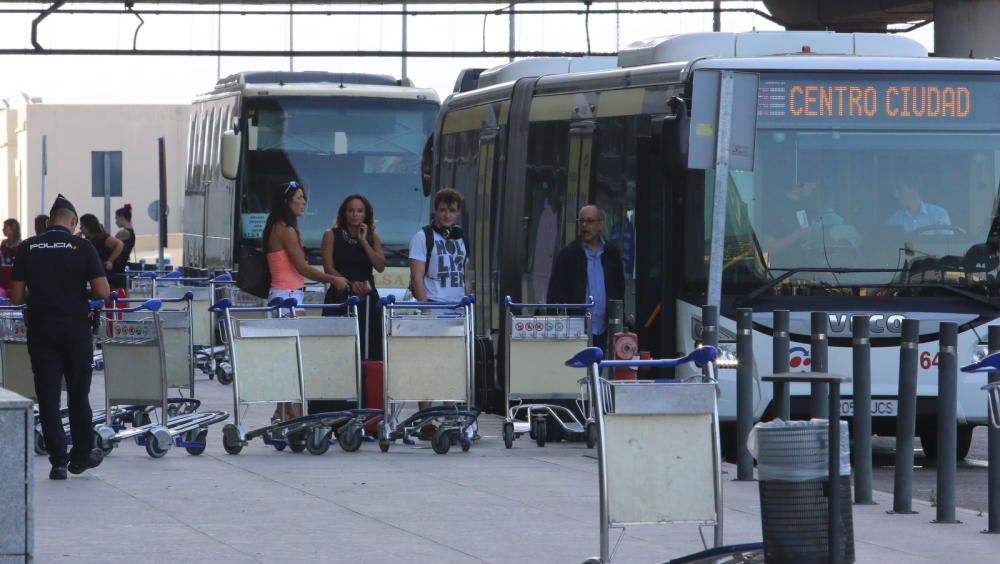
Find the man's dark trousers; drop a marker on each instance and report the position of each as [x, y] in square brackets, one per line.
[63, 347]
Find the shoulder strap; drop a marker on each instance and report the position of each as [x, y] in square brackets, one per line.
[429, 238]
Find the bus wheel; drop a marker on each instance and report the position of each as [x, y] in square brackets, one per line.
[929, 442]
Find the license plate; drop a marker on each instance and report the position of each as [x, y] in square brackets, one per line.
[880, 407]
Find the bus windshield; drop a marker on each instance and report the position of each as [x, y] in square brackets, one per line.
[337, 146]
[867, 181]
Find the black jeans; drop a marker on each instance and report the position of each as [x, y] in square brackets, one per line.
[63, 348]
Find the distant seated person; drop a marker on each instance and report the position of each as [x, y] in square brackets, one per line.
[916, 215]
[787, 218]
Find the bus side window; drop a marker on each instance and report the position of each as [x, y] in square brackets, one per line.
[545, 195]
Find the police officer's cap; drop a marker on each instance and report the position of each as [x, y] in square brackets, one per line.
[61, 203]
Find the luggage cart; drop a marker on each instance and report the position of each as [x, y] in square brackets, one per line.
[667, 425]
[534, 369]
[267, 357]
[16, 375]
[990, 363]
[143, 357]
[141, 283]
[417, 347]
[174, 285]
[225, 287]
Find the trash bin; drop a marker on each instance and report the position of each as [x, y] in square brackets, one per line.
[792, 471]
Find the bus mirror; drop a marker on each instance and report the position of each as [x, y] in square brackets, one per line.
[230, 154]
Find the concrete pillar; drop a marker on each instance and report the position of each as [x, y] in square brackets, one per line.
[964, 26]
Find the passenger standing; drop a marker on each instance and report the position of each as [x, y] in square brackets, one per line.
[353, 249]
[286, 259]
[41, 223]
[55, 268]
[589, 266]
[8, 250]
[123, 219]
[439, 262]
[108, 248]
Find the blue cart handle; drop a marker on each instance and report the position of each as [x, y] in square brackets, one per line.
[389, 302]
[351, 301]
[94, 304]
[225, 303]
[989, 364]
[513, 305]
[148, 305]
[593, 355]
[187, 297]
[224, 277]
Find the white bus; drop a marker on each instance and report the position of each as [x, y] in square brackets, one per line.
[337, 133]
[863, 179]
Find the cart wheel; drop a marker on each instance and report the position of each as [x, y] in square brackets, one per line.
[107, 448]
[154, 448]
[531, 428]
[230, 439]
[508, 434]
[40, 444]
[594, 560]
[201, 435]
[383, 437]
[540, 431]
[296, 443]
[351, 437]
[591, 435]
[464, 442]
[442, 441]
[224, 373]
[279, 446]
[318, 441]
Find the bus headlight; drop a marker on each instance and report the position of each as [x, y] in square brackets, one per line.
[727, 359]
[980, 351]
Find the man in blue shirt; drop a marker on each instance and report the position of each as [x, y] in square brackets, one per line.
[589, 266]
[915, 214]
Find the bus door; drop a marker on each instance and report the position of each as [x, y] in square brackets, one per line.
[484, 267]
[581, 144]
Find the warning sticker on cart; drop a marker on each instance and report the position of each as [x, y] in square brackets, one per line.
[553, 328]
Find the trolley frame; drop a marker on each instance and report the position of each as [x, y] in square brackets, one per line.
[454, 421]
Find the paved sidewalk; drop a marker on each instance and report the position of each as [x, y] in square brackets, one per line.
[527, 504]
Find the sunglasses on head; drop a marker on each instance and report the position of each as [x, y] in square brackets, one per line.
[290, 187]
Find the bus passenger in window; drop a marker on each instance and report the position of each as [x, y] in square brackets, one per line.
[589, 266]
[915, 214]
[787, 219]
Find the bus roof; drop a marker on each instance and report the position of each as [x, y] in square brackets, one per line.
[319, 83]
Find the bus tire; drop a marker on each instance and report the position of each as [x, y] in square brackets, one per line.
[929, 442]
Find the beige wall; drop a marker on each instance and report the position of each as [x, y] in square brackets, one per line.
[8, 160]
[74, 131]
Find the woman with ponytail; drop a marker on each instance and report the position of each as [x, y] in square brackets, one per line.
[123, 219]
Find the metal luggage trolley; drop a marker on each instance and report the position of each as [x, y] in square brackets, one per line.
[535, 347]
[417, 347]
[990, 363]
[16, 375]
[246, 306]
[174, 285]
[667, 425]
[267, 356]
[146, 352]
[141, 283]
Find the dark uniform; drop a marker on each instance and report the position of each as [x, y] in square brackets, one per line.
[56, 267]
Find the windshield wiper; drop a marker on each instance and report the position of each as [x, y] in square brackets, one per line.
[788, 272]
[971, 296]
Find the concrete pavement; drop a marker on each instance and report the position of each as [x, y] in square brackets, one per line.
[527, 504]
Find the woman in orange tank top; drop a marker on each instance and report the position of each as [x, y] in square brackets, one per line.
[286, 259]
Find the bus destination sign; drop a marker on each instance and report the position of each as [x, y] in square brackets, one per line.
[866, 101]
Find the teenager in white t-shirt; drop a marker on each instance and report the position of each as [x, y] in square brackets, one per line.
[441, 277]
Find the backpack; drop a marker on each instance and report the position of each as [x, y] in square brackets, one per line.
[254, 275]
[429, 238]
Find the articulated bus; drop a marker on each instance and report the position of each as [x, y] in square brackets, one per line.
[862, 179]
[337, 133]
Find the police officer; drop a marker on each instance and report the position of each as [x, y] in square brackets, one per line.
[56, 267]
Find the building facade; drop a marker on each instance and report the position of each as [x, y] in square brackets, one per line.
[100, 157]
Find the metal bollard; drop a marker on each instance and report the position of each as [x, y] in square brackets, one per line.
[780, 345]
[615, 324]
[993, 456]
[710, 326]
[862, 365]
[906, 419]
[947, 423]
[744, 392]
[818, 349]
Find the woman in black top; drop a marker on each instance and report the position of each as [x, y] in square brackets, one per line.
[123, 219]
[108, 248]
[353, 250]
